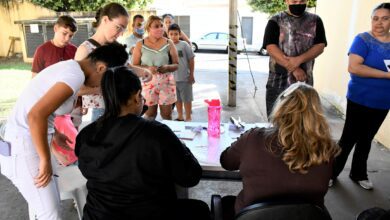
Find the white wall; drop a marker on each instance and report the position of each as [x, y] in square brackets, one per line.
[212, 15]
[343, 20]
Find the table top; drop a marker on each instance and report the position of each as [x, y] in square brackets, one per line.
[205, 148]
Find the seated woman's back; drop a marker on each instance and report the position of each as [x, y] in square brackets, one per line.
[291, 160]
[131, 164]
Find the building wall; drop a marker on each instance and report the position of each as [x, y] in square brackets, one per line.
[343, 20]
[212, 16]
[18, 11]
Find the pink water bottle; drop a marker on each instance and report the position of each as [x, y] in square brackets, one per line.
[214, 117]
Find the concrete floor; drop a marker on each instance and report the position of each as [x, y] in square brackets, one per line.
[344, 201]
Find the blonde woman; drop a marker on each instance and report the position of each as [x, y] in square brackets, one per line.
[292, 159]
[154, 53]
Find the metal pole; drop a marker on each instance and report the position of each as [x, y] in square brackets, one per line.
[232, 53]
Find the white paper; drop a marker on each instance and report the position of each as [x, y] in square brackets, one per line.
[34, 28]
[387, 63]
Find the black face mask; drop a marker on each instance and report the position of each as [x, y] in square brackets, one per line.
[297, 10]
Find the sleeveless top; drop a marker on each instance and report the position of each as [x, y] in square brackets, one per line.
[152, 57]
[296, 37]
[92, 101]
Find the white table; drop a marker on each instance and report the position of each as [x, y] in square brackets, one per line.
[208, 149]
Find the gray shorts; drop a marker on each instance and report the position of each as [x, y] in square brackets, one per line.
[184, 92]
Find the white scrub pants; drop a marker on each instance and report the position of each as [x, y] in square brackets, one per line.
[21, 168]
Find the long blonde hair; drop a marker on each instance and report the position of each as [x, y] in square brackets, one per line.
[300, 128]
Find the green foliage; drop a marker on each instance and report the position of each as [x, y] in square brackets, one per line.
[273, 6]
[87, 5]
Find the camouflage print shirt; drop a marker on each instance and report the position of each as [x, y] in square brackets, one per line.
[294, 36]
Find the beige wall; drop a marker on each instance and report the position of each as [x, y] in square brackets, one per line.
[343, 20]
[22, 11]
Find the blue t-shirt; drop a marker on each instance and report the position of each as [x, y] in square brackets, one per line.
[370, 92]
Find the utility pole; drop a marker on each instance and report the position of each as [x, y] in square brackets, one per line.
[232, 53]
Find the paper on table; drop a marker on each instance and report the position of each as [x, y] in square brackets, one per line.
[186, 135]
[387, 64]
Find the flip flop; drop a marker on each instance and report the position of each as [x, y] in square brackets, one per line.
[177, 119]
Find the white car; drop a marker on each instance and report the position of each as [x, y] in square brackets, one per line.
[215, 41]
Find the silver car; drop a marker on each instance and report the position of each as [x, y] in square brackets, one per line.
[215, 41]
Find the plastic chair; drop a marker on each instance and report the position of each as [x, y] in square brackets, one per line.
[273, 210]
[72, 185]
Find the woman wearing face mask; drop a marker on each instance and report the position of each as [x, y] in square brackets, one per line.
[368, 100]
[168, 19]
[30, 126]
[153, 53]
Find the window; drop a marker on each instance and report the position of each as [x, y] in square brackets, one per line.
[211, 36]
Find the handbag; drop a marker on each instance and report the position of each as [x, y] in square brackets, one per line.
[64, 125]
[5, 148]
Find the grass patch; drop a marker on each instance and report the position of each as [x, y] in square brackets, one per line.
[12, 83]
[14, 64]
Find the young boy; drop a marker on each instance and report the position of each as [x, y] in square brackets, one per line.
[184, 75]
[57, 49]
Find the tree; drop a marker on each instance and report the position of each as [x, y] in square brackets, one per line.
[273, 6]
[86, 5]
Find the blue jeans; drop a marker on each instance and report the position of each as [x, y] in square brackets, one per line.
[96, 113]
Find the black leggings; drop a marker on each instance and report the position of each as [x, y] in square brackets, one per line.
[271, 95]
[361, 125]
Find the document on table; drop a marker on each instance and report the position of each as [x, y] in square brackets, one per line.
[185, 134]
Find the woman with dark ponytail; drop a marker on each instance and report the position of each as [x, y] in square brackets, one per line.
[132, 164]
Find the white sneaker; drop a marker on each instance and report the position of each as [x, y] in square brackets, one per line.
[366, 184]
[330, 184]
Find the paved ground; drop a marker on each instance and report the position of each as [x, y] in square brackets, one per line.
[344, 200]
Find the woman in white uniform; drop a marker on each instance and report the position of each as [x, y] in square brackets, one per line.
[30, 126]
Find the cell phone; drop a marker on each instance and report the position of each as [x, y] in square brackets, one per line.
[5, 148]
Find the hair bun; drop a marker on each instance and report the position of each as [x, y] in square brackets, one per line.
[97, 15]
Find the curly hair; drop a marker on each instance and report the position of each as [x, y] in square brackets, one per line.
[300, 129]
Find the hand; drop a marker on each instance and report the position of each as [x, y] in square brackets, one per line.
[84, 111]
[147, 75]
[292, 63]
[191, 79]
[62, 140]
[152, 69]
[45, 173]
[163, 69]
[299, 74]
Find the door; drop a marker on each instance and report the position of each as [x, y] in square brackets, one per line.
[223, 41]
[247, 29]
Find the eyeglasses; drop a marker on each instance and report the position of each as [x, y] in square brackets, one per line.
[119, 28]
[139, 25]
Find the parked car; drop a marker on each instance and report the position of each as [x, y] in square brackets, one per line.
[215, 41]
